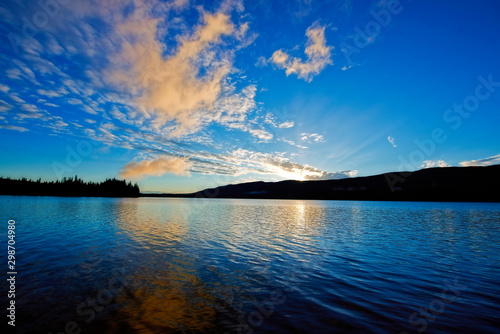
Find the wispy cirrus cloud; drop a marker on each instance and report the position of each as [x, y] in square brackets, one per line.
[392, 140]
[291, 142]
[494, 160]
[266, 163]
[13, 127]
[4, 106]
[317, 52]
[48, 93]
[271, 119]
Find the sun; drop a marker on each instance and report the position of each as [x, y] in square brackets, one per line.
[292, 175]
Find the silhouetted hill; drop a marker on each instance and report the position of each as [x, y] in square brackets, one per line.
[74, 187]
[462, 184]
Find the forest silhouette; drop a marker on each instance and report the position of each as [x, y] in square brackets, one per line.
[71, 187]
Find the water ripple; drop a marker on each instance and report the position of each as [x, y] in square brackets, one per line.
[240, 266]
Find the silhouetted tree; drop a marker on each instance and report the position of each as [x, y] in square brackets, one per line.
[69, 187]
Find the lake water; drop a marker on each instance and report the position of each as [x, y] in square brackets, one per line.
[155, 265]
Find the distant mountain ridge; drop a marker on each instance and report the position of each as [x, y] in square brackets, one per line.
[453, 184]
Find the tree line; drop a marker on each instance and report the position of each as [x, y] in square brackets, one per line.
[73, 187]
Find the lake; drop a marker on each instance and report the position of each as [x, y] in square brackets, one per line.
[167, 265]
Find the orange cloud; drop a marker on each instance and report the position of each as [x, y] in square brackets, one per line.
[173, 88]
[157, 167]
[318, 56]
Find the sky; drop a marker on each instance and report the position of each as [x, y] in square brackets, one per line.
[184, 95]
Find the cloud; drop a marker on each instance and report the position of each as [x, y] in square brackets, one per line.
[261, 61]
[312, 137]
[286, 125]
[494, 160]
[232, 109]
[392, 141]
[432, 164]
[179, 4]
[265, 163]
[164, 74]
[235, 163]
[49, 93]
[179, 86]
[53, 46]
[156, 167]
[271, 119]
[89, 110]
[261, 134]
[74, 101]
[164, 87]
[4, 89]
[4, 106]
[16, 98]
[291, 142]
[26, 72]
[287, 168]
[318, 56]
[13, 127]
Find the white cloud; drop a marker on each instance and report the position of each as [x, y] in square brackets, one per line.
[16, 98]
[25, 72]
[89, 110]
[74, 101]
[4, 89]
[53, 46]
[392, 141]
[118, 115]
[286, 125]
[318, 56]
[261, 134]
[291, 142]
[265, 163]
[271, 119]
[261, 62]
[13, 127]
[4, 106]
[494, 160]
[231, 110]
[13, 73]
[48, 93]
[156, 167]
[30, 108]
[431, 164]
[312, 137]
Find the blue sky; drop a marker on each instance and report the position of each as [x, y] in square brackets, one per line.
[184, 95]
